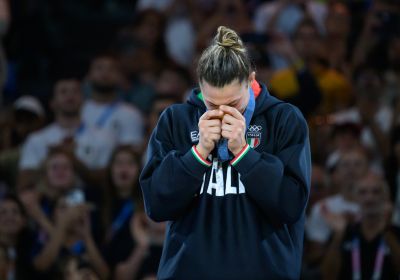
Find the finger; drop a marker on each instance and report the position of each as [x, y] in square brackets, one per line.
[227, 127]
[214, 129]
[231, 111]
[211, 114]
[228, 119]
[226, 134]
[212, 123]
[215, 136]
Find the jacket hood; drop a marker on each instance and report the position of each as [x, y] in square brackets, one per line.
[264, 100]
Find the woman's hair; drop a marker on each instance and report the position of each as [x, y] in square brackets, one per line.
[225, 60]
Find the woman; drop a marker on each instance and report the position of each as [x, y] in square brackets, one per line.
[15, 240]
[230, 170]
[58, 179]
[71, 236]
[133, 243]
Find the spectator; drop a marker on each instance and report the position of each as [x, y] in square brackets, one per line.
[26, 117]
[371, 113]
[121, 197]
[59, 179]
[144, 258]
[15, 240]
[135, 61]
[351, 166]
[335, 42]
[297, 84]
[392, 74]
[285, 16]
[71, 236]
[392, 172]
[345, 137]
[5, 17]
[369, 249]
[75, 268]
[230, 13]
[71, 131]
[381, 22]
[104, 109]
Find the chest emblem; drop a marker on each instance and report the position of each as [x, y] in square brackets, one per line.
[253, 135]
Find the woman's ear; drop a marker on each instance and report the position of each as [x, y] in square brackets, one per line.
[252, 77]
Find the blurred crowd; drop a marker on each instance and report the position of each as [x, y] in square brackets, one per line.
[83, 82]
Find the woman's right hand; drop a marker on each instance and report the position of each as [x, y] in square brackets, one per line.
[209, 131]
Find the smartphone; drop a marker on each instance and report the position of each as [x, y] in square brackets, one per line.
[75, 197]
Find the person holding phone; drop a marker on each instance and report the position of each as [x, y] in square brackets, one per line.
[230, 171]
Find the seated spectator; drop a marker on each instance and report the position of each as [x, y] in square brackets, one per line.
[68, 130]
[27, 116]
[350, 167]
[370, 248]
[71, 236]
[104, 109]
[15, 240]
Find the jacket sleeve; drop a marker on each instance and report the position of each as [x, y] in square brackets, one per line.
[170, 178]
[280, 183]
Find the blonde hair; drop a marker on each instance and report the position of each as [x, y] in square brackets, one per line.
[225, 60]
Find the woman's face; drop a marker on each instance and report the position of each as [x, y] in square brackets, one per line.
[60, 173]
[11, 218]
[234, 95]
[124, 171]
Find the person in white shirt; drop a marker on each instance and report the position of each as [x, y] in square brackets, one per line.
[91, 146]
[105, 110]
[350, 167]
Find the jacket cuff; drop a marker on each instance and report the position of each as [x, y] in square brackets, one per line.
[245, 160]
[195, 162]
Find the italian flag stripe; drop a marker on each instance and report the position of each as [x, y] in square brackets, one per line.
[199, 157]
[240, 155]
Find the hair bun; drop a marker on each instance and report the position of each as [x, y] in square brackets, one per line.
[228, 38]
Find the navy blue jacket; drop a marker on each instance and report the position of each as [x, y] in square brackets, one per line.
[230, 222]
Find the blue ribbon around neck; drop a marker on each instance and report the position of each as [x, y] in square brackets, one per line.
[223, 152]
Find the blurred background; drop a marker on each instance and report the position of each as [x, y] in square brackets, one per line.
[83, 82]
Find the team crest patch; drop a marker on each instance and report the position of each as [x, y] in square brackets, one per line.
[253, 135]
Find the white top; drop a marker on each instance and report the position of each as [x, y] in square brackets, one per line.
[290, 16]
[383, 117]
[122, 120]
[95, 154]
[317, 229]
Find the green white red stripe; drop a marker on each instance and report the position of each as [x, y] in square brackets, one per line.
[199, 157]
[240, 155]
